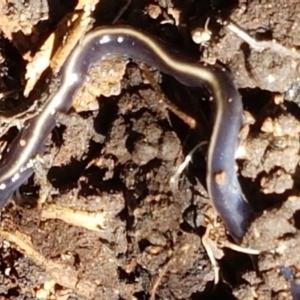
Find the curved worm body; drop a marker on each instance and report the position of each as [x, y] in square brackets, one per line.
[289, 276]
[223, 186]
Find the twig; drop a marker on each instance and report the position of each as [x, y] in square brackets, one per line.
[273, 45]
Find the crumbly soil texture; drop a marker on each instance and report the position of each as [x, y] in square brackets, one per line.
[107, 214]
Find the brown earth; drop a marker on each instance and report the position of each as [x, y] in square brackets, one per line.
[100, 218]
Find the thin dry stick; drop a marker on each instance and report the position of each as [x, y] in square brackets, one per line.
[261, 45]
[121, 12]
[191, 122]
[159, 278]
[185, 163]
[238, 248]
[206, 245]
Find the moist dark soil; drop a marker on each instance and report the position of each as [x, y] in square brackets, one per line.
[104, 216]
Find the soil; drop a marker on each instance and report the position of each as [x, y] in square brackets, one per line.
[103, 217]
